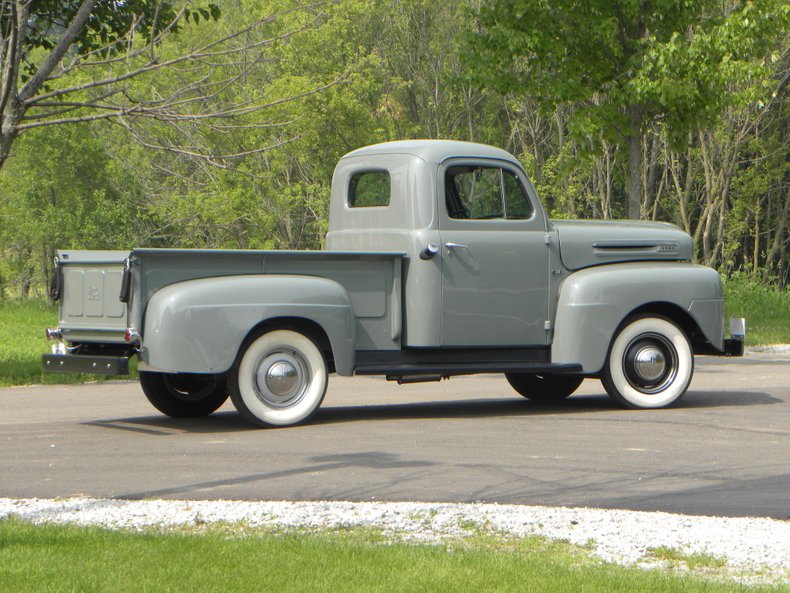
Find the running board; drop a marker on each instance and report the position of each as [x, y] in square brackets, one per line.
[450, 369]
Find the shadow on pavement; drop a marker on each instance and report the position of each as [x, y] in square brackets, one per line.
[463, 408]
[367, 459]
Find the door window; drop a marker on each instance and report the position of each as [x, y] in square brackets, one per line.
[485, 193]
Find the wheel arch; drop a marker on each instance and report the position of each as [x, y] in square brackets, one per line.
[595, 303]
[308, 327]
[200, 326]
[676, 315]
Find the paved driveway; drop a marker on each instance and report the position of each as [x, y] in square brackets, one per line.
[725, 450]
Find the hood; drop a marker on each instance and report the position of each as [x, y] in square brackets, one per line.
[585, 243]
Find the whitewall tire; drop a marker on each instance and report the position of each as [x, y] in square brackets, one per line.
[279, 379]
[649, 365]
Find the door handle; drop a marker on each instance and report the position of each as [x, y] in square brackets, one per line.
[452, 246]
[467, 260]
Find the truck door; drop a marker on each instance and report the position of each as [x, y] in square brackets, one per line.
[495, 261]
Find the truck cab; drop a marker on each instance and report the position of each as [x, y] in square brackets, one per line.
[473, 231]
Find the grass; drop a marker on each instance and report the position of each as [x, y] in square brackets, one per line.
[767, 311]
[673, 557]
[52, 558]
[22, 343]
[22, 324]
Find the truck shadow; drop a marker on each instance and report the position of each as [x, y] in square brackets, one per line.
[218, 422]
[229, 421]
[718, 399]
[492, 408]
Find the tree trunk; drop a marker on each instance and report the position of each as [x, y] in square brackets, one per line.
[651, 182]
[778, 245]
[634, 189]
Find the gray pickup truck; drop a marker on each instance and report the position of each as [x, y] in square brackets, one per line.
[439, 261]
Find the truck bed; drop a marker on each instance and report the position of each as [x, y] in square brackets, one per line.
[91, 311]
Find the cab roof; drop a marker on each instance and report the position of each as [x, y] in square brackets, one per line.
[434, 151]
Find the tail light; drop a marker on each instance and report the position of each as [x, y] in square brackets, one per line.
[53, 333]
[131, 336]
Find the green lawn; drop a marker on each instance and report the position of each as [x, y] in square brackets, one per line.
[22, 342]
[22, 324]
[767, 311]
[41, 559]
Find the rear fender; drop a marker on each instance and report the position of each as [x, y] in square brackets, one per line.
[198, 326]
[595, 301]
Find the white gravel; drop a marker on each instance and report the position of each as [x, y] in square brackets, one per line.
[751, 548]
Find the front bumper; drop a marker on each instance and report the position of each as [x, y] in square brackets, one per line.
[733, 347]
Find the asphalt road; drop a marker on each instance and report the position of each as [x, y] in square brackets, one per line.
[725, 450]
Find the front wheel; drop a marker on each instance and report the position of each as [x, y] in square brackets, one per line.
[544, 387]
[649, 365]
[184, 395]
[279, 379]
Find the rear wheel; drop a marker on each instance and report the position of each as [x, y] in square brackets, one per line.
[279, 379]
[544, 387]
[184, 395]
[649, 365]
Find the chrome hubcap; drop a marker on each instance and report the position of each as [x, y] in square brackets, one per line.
[650, 363]
[281, 378]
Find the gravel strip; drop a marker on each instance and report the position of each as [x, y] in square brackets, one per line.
[753, 548]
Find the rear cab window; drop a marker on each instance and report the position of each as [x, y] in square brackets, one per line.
[369, 189]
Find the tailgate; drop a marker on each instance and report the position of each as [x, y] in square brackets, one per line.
[90, 286]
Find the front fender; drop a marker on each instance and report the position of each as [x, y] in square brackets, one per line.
[198, 326]
[594, 302]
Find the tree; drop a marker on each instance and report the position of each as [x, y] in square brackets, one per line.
[67, 61]
[625, 64]
[96, 207]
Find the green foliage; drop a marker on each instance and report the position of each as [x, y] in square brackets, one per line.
[107, 29]
[109, 21]
[57, 558]
[620, 69]
[60, 191]
[766, 309]
[565, 84]
[671, 59]
[22, 342]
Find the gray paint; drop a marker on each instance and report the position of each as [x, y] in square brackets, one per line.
[371, 281]
[593, 303]
[512, 284]
[495, 293]
[198, 326]
[585, 243]
[90, 310]
[407, 225]
[495, 289]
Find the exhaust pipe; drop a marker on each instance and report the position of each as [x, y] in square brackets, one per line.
[408, 379]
